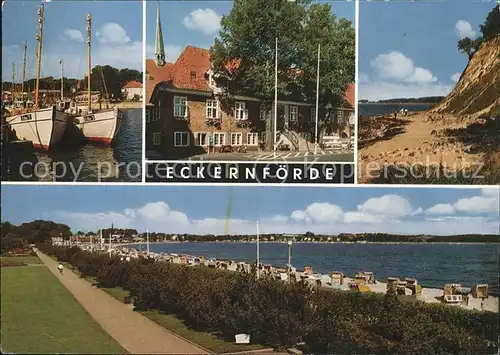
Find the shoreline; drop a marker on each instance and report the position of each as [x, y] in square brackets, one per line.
[427, 295]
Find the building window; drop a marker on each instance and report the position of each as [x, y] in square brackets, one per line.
[252, 138]
[340, 115]
[201, 138]
[294, 113]
[265, 113]
[156, 138]
[148, 113]
[313, 112]
[219, 138]
[211, 81]
[180, 106]
[263, 137]
[193, 75]
[240, 113]
[158, 111]
[212, 108]
[181, 139]
[236, 138]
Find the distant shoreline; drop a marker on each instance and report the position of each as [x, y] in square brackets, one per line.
[275, 242]
[399, 103]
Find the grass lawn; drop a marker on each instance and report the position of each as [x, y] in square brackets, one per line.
[39, 315]
[206, 340]
[24, 259]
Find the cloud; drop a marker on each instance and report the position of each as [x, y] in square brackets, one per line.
[74, 35]
[318, 212]
[456, 77]
[205, 20]
[441, 208]
[464, 29]
[388, 206]
[363, 78]
[398, 76]
[488, 203]
[396, 66]
[160, 217]
[112, 33]
[113, 47]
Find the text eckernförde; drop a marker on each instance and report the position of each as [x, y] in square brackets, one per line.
[251, 172]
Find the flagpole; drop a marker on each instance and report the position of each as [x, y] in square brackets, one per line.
[275, 128]
[317, 105]
[62, 81]
[258, 251]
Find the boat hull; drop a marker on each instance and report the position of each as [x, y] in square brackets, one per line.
[44, 128]
[101, 126]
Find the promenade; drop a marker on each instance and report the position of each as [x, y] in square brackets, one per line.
[133, 331]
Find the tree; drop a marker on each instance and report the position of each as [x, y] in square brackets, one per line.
[11, 242]
[491, 27]
[243, 57]
[467, 46]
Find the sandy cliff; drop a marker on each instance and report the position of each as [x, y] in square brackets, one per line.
[477, 93]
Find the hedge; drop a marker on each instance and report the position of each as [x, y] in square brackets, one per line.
[282, 315]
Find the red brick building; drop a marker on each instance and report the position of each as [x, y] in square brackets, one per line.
[185, 115]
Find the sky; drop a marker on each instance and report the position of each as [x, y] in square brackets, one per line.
[116, 36]
[280, 209]
[197, 23]
[409, 49]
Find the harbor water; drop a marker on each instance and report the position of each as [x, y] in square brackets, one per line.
[88, 162]
[432, 265]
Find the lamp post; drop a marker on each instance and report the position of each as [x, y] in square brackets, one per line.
[289, 259]
[258, 251]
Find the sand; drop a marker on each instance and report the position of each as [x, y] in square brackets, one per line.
[420, 138]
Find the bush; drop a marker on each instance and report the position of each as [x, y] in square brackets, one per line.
[281, 315]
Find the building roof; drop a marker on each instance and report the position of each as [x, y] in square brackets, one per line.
[349, 94]
[188, 72]
[133, 85]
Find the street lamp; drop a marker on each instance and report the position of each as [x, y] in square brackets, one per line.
[290, 241]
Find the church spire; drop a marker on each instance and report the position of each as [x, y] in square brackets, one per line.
[159, 50]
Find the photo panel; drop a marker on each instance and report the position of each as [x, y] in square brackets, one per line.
[72, 95]
[244, 83]
[232, 274]
[429, 93]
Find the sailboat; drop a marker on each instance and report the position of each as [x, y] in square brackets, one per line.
[44, 127]
[99, 125]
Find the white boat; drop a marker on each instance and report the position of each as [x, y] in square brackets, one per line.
[44, 127]
[100, 125]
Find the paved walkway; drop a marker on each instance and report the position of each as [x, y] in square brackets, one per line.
[321, 156]
[136, 333]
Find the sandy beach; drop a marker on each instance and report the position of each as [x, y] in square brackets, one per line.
[424, 138]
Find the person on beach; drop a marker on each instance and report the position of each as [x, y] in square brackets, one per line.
[60, 268]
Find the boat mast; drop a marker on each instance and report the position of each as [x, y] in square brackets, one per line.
[62, 81]
[23, 75]
[89, 34]
[12, 87]
[39, 53]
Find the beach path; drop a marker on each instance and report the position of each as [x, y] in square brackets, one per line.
[136, 333]
[417, 139]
